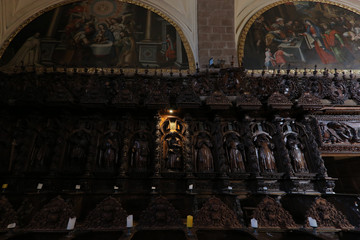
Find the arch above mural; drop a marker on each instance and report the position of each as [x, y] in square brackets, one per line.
[300, 33]
[148, 33]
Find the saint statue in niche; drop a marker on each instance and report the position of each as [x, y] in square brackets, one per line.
[109, 154]
[174, 152]
[140, 152]
[264, 153]
[203, 154]
[296, 154]
[78, 149]
[41, 150]
[234, 149]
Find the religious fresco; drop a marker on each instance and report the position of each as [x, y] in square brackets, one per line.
[302, 34]
[97, 33]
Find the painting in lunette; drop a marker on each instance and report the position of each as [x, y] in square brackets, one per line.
[97, 33]
[302, 34]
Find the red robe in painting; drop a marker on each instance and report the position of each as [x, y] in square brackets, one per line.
[325, 56]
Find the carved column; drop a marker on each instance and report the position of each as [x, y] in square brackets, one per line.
[282, 152]
[124, 162]
[158, 155]
[148, 26]
[250, 151]
[323, 182]
[189, 168]
[91, 157]
[217, 133]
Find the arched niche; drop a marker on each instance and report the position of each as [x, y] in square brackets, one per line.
[247, 12]
[180, 15]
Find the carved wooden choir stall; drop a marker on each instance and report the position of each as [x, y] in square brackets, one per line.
[222, 146]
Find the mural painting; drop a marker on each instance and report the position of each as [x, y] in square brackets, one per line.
[302, 34]
[97, 33]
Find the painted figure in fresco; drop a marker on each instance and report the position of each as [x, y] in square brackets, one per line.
[279, 56]
[275, 37]
[126, 44]
[260, 29]
[203, 156]
[269, 59]
[265, 154]
[170, 53]
[296, 154]
[234, 154]
[103, 34]
[315, 39]
[110, 151]
[174, 153]
[337, 45]
[140, 153]
[28, 54]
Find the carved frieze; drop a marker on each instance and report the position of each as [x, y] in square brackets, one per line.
[108, 214]
[7, 213]
[53, 216]
[308, 101]
[279, 101]
[218, 100]
[248, 101]
[160, 213]
[270, 213]
[216, 214]
[327, 215]
[339, 134]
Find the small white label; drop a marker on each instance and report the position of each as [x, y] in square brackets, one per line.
[116, 188]
[153, 188]
[11, 225]
[129, 221]
[265, 188]
[254, 223]
[312, 222]
[71, 223]
[229, 187]
[191, 186]
[77, 187]
[39, 186]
